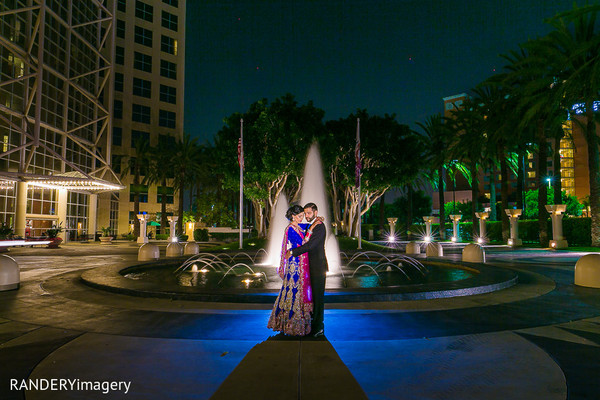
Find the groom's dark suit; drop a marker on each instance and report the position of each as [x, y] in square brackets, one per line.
[315, 247]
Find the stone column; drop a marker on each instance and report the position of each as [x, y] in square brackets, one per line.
[556, 214]
[513, 216]
[62, 213]
[143, 221]
[482, 217]
[455, 218]
[92, 216]
[21, 209]
[428, 221]
[392, 222]
[172, 222]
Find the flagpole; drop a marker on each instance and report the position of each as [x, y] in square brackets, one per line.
[241, 162]
[359, 182]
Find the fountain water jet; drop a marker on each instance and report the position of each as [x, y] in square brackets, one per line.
[276, 229]
[313, 190]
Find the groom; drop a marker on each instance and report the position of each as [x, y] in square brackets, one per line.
[315, 247]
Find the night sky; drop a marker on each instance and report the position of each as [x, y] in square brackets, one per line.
[396, 56]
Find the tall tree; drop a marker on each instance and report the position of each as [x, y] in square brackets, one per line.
[437, 143]
[137, 165]
[277, 136]
[574, 49]
[389, 157]
[186, 165]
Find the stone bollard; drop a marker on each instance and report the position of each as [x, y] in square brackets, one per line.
[434, 249]
[513, 216]
[473, 253]
[587, 271]
[148, 252]
[10, 274]
[482, 217]
[174, 249]
[191, 248]
[556, 214]
[413, 248]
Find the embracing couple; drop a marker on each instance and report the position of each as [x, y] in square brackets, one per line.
[298, 310]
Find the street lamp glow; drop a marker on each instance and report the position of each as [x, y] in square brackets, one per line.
[427, 239]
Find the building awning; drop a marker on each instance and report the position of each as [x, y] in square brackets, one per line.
[74, 181]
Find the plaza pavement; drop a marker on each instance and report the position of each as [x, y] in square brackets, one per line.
[539, 339]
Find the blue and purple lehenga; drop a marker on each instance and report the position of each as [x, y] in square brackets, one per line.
[292, 310]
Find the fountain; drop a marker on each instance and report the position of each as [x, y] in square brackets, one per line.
[278, 224]
[313, 190]
[364, 276]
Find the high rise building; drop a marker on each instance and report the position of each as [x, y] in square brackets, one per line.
[55, 144]
[149, 60]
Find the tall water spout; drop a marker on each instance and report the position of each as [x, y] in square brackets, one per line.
[276, 230]
[313, 190]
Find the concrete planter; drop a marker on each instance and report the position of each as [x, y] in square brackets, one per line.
[106, 239]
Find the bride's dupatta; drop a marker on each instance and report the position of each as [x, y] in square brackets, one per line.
[303, 263]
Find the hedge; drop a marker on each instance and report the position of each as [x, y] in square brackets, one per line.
[201, 235]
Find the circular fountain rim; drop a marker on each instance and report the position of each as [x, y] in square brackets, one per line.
[488, 279]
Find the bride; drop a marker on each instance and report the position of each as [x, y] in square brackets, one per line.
[292, 310]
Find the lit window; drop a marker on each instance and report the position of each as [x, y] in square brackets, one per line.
[531, 174]
[168, 45]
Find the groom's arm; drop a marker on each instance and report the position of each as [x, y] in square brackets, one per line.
[317, 239]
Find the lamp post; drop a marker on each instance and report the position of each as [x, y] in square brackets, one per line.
[143, 218]
[513, 215]
[428, 221]
[392, 222]
[556, 214]
[482, 217]
[455, 219]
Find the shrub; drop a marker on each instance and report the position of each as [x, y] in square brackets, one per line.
[225, 237]
[201, 235]
[182, 238]
[162, 236]
[578, 231]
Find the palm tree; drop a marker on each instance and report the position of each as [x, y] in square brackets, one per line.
[160, 172]
[438, 139]
[574, 48]
[530, 77]
[469, 146]
[138, 166]
[186, 164]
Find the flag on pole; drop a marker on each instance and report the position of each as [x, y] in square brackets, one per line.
[357, 154]
[240, 154]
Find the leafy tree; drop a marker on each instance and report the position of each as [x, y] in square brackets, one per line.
[574, 207]
[389, 157]
[277, 136]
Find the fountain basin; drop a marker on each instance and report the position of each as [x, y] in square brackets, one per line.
[149, 280]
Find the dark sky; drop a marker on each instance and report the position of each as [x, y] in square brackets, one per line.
[397, 56]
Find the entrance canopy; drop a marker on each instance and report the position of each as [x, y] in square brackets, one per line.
[75, 181]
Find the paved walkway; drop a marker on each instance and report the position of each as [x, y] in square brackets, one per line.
[537, 340]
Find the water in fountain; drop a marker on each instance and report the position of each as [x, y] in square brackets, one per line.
[276, 230]
[313, 190]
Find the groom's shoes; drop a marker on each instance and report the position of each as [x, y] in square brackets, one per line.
[318, 333]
